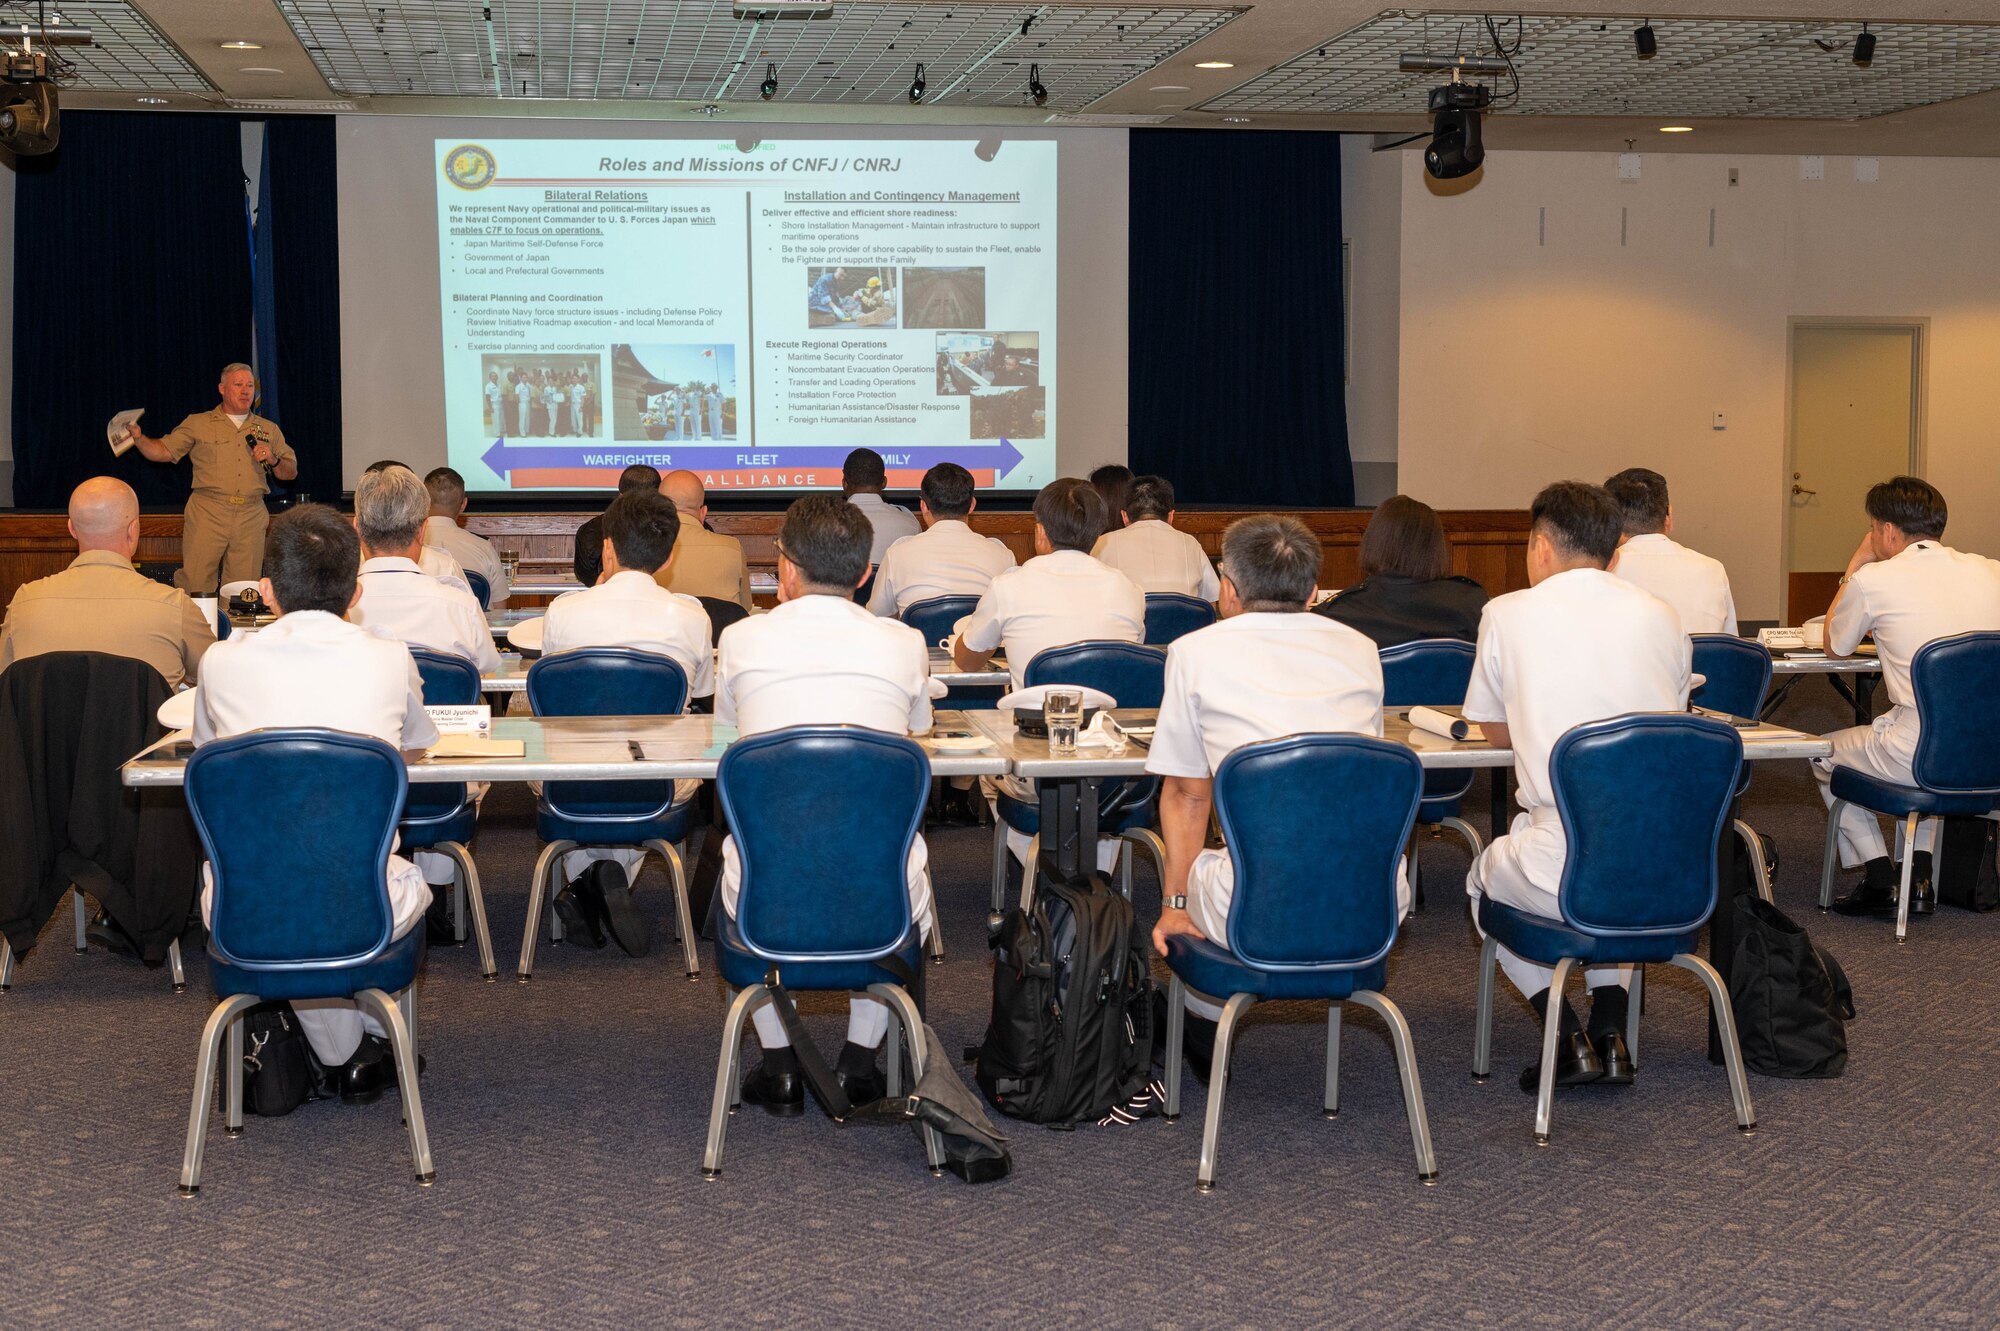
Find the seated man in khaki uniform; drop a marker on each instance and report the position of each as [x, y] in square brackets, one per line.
[100, 603]
[234, 450]
[704, 563]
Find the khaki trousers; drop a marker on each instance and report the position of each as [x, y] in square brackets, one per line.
[220, 542]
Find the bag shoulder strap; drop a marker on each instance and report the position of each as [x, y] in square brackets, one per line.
[812, 1065]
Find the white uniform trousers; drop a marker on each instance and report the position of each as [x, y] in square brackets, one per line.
[1212, 887]
[1522, 870]
[867, 1018]
[1885, 750]
[334, 1026]
[1020, 788]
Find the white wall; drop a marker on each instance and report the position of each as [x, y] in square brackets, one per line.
[1535, 346]
[1371, 222]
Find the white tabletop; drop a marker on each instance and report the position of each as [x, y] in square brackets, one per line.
[1818, 663]
[946, 671]
[544, 586]
[512, 676]
[593, 748]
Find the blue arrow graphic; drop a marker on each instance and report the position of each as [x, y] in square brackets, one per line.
[504, 457]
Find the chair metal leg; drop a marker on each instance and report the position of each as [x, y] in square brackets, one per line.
[1546, 1094]
[1482, 1021]
[999, 865]
[1909, 863]
[82, 916]
[935, 940]
[682, 915]
[402, 1041]
[469, 893]
[174, 967]
[1760, 869]
[1029, 872]
[538, 905]
[232, 1081]
[1176, 1026]
[1125, 868]
[457, 898]
[892, 1058]
[1473, 841]
[1413, 1086]
[225, 1015]
[1331, 1105]
[905, 1009]
[1147, 837]
[406, 1003]
[1635, 1003]
[1832, 848]
[1732, 1052]
[6, 965]
[724, 1099]
[1218, 1082]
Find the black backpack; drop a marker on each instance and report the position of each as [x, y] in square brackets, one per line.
[1791, 999]
[1071, 1035]
[1966, 872]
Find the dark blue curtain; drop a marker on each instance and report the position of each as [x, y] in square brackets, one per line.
[131, 289]
[1237, 388]
[298, 295]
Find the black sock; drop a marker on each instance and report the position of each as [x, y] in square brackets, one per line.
[781, 1059]
[1609, 1005]
[855, 1060]
[1881, 874]
[1567, 1022]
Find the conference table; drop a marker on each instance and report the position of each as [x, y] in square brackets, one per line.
[1852, 677]
[512, 676]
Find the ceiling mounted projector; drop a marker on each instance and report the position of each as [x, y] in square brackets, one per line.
[1455, 148]
[30, 123]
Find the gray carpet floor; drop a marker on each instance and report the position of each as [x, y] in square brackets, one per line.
[567, 1118]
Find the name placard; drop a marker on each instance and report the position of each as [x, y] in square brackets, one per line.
[461, 718]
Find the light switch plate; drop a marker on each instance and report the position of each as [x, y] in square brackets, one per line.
[1628, 166]
[1867, 170]
[1812, 168]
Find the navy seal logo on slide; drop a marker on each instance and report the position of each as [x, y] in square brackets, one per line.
[470, 166]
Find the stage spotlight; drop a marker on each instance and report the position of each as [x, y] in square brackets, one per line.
[1035, 88]
[30, 121]
[1456, 148]
[769, 87]
[1643, 40]
[917, 87]
[1864, 48]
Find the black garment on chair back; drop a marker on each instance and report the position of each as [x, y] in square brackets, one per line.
[721, 614]
[68, 721]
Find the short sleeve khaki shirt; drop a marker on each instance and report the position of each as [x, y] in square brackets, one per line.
[222, 462]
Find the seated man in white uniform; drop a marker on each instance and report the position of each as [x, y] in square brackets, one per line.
[627, 608]
[434, 561]
[1148, 550]
[1907, 587]
[1696, 586]
[312, 668]
[863, 478]
[1579, 645]
[1265, 669]
[447, 490]
[820, 659]
[947, 558]
[1060, 596]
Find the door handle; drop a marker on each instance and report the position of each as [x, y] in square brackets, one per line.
[1801, 490]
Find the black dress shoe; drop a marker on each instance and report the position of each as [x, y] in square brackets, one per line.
[607, 887]
[1923, 897]
[1617, 1059]
[579, 925]
[1866, 899]
[862, 1088]
[780, 1093]
[1577, 1064]
[370, 1072]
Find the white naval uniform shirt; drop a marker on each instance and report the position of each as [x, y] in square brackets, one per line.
[1255, 677]
[823, 660]
[950, 559]
[1696, 586]
[1580, 646]
[440, 565]
[1050, 601]
[311, 668]
[1160, 559]
[629, 609]
[398, 600]
[469, 552]
[891, 523]
[1926, 592]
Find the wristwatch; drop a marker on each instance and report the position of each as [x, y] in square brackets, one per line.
[1176, 902]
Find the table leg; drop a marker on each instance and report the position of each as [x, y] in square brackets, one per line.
[1864, 698]
[1069, 829]
[1779, 692]
[1502, 807]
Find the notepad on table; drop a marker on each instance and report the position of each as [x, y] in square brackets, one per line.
[473, 746]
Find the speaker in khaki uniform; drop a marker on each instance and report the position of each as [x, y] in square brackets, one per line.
[236, 452]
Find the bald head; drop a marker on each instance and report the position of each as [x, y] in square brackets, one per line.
[685, 489]
[104, 515]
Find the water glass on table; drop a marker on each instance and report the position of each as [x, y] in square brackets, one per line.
[1062, 709]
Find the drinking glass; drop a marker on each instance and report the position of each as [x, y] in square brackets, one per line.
[1063, 710]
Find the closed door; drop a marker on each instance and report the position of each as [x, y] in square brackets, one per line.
[1854, 423]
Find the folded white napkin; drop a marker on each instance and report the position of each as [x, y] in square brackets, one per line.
[177, 712]
[1031, 697]
[1101, 733]
[527, 635]
[1434, 722]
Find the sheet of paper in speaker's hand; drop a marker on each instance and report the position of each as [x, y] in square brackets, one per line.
[117, 431]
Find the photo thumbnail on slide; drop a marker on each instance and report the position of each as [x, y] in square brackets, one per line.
[679, 392]
[944, 297]
[750, 309]
[851, 298]
[542, 396]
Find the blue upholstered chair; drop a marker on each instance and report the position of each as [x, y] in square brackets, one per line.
[1736, 674]
[1170, 615]
[442, 817]
[826, 912]
[1639, 878]
[1315, 826]
[1137, 677]
[935, 618]
[481, 589]
[1433, 672]
[1957, 765]
[607, 681]
[304, 912]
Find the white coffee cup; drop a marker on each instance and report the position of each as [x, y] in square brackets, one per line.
[209, 606]
[1815, 634]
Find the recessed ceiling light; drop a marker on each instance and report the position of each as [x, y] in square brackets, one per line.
[259, 69]
[1169, 87]
[1236, 120]
[1677, 129]
[243, 46]
[1215, 64]
[151, 101]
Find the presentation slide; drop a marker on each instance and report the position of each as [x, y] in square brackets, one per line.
[751, 313]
